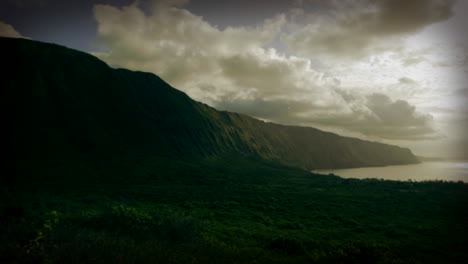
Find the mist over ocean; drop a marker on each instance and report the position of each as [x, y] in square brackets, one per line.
[440, 170]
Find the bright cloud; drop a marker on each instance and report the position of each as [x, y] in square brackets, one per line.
[379, 89]
[6, 30]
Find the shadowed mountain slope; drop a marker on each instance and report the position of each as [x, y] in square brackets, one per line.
[60, 102]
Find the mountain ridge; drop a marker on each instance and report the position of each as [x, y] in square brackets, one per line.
[65, 102]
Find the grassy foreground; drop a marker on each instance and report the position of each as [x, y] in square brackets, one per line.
[157, 210]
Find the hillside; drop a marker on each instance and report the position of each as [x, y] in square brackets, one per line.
[61, 102]
[111, 166]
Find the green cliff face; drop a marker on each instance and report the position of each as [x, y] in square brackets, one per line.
[60, 102]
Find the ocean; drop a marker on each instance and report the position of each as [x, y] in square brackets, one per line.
[440, 170]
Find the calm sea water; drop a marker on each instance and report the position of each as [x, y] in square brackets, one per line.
[447, 171]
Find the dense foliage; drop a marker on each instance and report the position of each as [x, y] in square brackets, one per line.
[158, 210]
[113, 166]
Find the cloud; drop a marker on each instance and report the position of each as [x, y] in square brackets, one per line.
[7, 30]
[397, 119]
[414, 57]
[379, 116]
[355, 28]
[173, 42]
[236, 69]
[375, 115]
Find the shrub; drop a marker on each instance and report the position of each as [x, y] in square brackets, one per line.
[285, 245]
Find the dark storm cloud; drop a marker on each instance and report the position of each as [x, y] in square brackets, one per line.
[238, 13]
[362, 27]
[402, 16]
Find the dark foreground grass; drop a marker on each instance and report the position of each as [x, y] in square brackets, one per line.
[157, 210]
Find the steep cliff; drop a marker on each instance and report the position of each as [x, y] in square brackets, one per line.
[61, 102]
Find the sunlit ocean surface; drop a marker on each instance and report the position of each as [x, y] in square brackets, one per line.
[447, 171]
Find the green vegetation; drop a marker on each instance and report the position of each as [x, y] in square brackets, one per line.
[161, 210]
[114, 166]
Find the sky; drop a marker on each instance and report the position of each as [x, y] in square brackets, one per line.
[392, 71]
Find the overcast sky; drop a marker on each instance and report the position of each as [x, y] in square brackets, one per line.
[393, 71]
